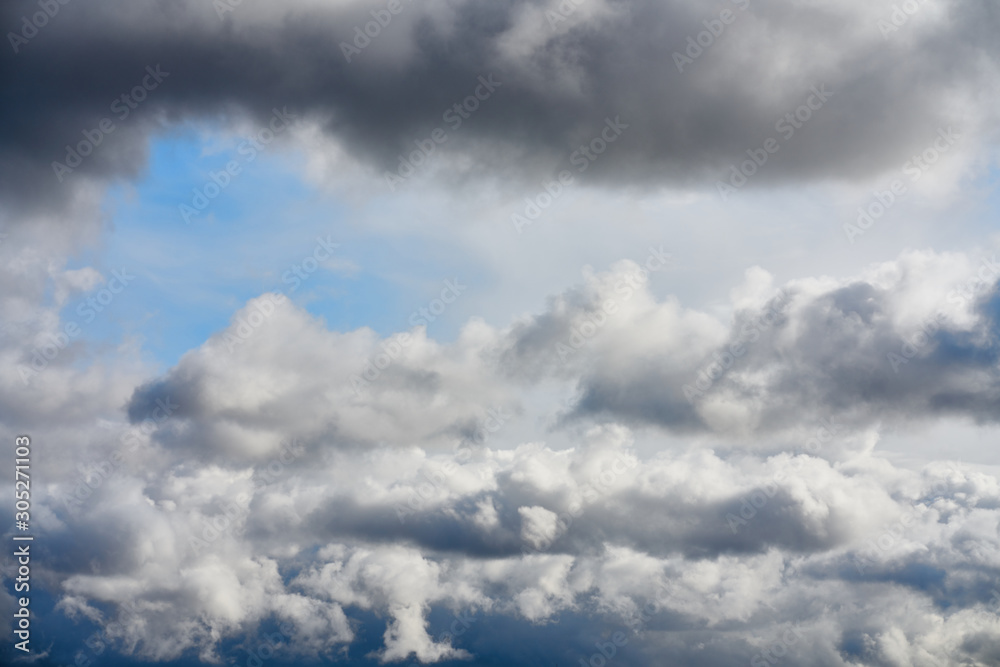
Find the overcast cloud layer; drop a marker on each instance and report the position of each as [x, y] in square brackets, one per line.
[687, 454]
[562, 70]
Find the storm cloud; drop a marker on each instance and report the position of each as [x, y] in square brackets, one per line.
[838, 95]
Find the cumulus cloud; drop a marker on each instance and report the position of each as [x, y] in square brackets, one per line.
[275, 493]
[860, 558]
[905, 340]
[620, 474]
[563, 69]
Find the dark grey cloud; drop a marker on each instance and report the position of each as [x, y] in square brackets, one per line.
[559, 83]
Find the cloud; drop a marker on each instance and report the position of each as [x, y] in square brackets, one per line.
[907, 339]
[826, 551]
[279, 489]
[559, 65]
[275, 493]
[714, 490]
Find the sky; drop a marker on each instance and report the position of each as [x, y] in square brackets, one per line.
[500, 332]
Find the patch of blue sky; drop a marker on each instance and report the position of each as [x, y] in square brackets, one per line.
[190, 278]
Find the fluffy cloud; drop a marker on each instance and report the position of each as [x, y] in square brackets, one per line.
[905, 340]
[620, 475]
[277, 494]
[861, 559]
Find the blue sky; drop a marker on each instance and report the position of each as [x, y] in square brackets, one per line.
[269, 217]
[190, 278]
